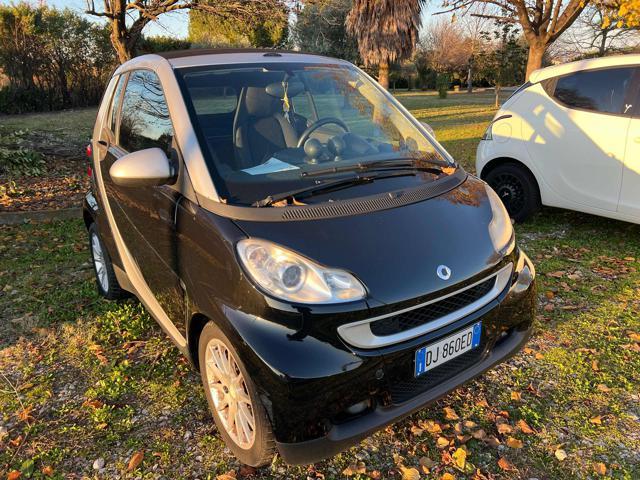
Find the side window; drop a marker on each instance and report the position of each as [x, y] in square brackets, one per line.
[144, 118]
[597, 90]
[115, 102]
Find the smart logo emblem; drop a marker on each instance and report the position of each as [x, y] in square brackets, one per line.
[443, 272]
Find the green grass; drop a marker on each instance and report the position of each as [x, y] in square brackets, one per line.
[99, 379]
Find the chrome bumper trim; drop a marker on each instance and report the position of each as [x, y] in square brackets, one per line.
[359, 333]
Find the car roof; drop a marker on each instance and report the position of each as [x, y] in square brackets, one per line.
[588, 64]
[226, 56]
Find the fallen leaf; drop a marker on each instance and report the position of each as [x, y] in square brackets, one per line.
[93, 403]
[14, 475]
[354, 469]
[426, 464]
[227, 476]
[482, 403]
[25, 414]
[409, 473]
[560, 454]
[557, 274]
[504, 428]
[600, 468]
[516, 396]
[442, 442]
[432, 427]
[634, 336]
[135, 460]
[460, 458]
[525, 428]
[539, 356]
[514, 443]
[450, 414]
[492, 441]
[48, 471]
[470, 424]
[375, 475]
[447, 476]
[505, 465]
[603, 388]
[417, 431]
[479, 434]
[596, 420]
[594, 366]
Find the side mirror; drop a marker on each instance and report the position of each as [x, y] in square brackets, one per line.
[429, 129]
[144, 168]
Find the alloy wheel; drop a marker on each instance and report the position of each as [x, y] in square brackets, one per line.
[99, 262]
[230, 394]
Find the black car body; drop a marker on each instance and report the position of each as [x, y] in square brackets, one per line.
[326, 374]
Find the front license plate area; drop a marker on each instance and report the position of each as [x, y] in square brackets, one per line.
[448, 348]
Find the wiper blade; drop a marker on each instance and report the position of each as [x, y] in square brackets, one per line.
[375, 165]
[320, 186]
[327, 185]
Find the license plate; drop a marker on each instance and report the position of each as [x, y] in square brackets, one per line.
[440, 352]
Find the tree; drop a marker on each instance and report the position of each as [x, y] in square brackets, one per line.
[320, 28]
[446, 46]
[504, 64]
[628, 13]
[386, 31]
[126, 33]
[542, 21]
[212, 30]
[598, 32]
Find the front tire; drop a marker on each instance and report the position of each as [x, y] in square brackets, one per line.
[233, 399]
[517, 188]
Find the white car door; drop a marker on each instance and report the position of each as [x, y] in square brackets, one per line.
[630, 190]
[578, 136]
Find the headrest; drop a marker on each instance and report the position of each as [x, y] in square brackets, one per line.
[276, 89]
[258, 103]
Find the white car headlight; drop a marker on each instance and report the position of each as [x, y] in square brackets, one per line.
[500, 227]
[289, 276]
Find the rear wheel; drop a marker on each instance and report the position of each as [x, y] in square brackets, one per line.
[517, 189]
[106, 280]
[233, 399]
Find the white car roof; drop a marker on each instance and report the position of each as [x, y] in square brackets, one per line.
[202, 57]
[590, 64]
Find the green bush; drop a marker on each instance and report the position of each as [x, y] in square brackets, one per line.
[16, 159]
[442, 84]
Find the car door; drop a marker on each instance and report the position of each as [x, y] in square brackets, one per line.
[578, 137]
[630, 190]
[145, 216]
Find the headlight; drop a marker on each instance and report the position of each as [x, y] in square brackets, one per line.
[500, 228]
[290, 276]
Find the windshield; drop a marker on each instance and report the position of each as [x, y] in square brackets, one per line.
[284, 127]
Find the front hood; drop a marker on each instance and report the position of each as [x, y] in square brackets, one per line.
[396, 252]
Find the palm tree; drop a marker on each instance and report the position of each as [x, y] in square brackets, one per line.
[386, 30]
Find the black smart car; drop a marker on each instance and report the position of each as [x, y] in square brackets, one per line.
[303, 240]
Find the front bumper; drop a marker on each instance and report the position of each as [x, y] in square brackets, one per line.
[342, 436]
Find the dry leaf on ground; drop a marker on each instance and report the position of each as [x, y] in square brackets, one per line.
[135, 461]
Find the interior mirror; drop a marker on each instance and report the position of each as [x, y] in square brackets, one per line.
[429, 129]
[144, 168]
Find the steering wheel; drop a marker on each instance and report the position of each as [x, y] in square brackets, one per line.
[317, 124]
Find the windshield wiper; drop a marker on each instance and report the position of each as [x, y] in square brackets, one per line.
[375, 165]
[323, 186]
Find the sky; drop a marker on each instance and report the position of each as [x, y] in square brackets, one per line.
[174, 24]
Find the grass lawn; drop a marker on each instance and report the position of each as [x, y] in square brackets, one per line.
[84, 381]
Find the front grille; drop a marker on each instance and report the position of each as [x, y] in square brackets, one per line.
[419, 316]
[407, 389]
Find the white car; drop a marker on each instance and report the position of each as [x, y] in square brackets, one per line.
[569, 138]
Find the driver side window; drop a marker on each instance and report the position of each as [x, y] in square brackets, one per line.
[144, 117]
